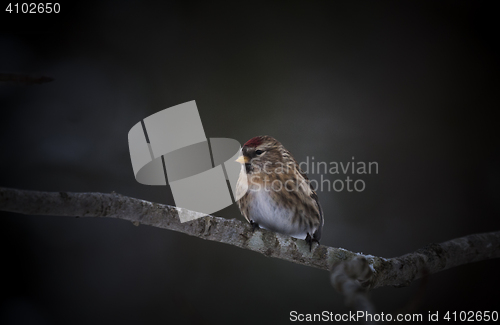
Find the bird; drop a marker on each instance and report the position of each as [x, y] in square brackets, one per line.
[275, 194]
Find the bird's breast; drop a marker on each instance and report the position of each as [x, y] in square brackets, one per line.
[264, 210]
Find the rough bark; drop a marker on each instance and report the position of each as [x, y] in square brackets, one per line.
[398, 271]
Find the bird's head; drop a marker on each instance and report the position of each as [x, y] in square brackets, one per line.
[262, 153]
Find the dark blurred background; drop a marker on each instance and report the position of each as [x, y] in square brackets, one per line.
[410, 85]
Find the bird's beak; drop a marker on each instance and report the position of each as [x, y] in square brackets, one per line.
[242, 159]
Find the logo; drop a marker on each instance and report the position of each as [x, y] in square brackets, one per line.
[170, 147]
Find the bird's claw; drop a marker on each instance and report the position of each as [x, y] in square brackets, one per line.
[254, 225]
[310, 241]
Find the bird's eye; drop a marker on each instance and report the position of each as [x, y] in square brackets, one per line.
[259, 152]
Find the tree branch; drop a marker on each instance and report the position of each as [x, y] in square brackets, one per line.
[399, 271]
[348, 277]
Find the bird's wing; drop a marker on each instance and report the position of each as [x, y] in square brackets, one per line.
[317, 234]
[314, 196]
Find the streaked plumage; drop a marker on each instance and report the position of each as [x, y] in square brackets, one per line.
[292, 209]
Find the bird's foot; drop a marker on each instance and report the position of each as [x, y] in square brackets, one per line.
[254, 225]
[310, 241]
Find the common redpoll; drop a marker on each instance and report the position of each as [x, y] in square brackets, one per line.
[279, 196]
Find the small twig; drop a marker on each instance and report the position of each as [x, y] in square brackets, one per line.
[348, 278]
[23, 79]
